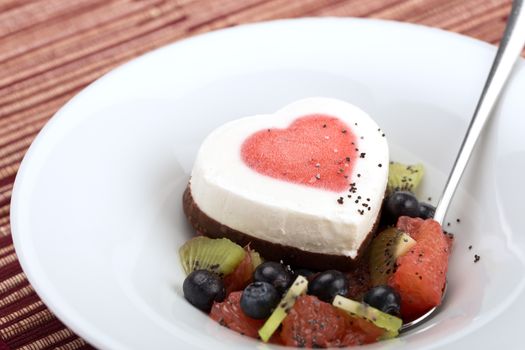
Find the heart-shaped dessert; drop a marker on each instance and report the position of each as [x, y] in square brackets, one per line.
[304, 185]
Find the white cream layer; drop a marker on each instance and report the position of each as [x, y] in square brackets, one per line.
[281, 212]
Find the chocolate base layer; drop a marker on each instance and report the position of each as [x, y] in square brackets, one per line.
[270, 251]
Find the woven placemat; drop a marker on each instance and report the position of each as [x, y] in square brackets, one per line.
[51, 49]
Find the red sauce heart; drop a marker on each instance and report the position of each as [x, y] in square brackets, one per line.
[315, 150]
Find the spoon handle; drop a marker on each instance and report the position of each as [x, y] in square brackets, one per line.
[509, 50]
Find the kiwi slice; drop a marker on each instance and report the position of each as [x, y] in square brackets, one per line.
[403, 177]
[256, 259]
[216, 255]
[385, 248]
[298, 288]
[389, 323]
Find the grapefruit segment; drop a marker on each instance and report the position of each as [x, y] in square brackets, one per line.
[298, 288]
[229, 314]
[421, 273]
[313, 323]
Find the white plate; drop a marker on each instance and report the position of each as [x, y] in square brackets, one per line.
[96, 210]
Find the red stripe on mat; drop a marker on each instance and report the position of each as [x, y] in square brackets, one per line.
[26, 312]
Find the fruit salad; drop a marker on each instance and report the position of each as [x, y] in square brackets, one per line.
[399, 278]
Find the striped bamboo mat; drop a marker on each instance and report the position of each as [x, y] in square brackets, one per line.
[50, 49]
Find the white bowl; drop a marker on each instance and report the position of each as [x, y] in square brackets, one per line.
[96, 209]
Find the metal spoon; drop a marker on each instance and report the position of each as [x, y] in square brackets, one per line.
[509, 50]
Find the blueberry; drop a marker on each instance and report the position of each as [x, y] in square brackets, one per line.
[275, 274]
[384, 298]
[426, 211]
[328, 284]
[202, 287]
[401, 203]
[259, 299]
